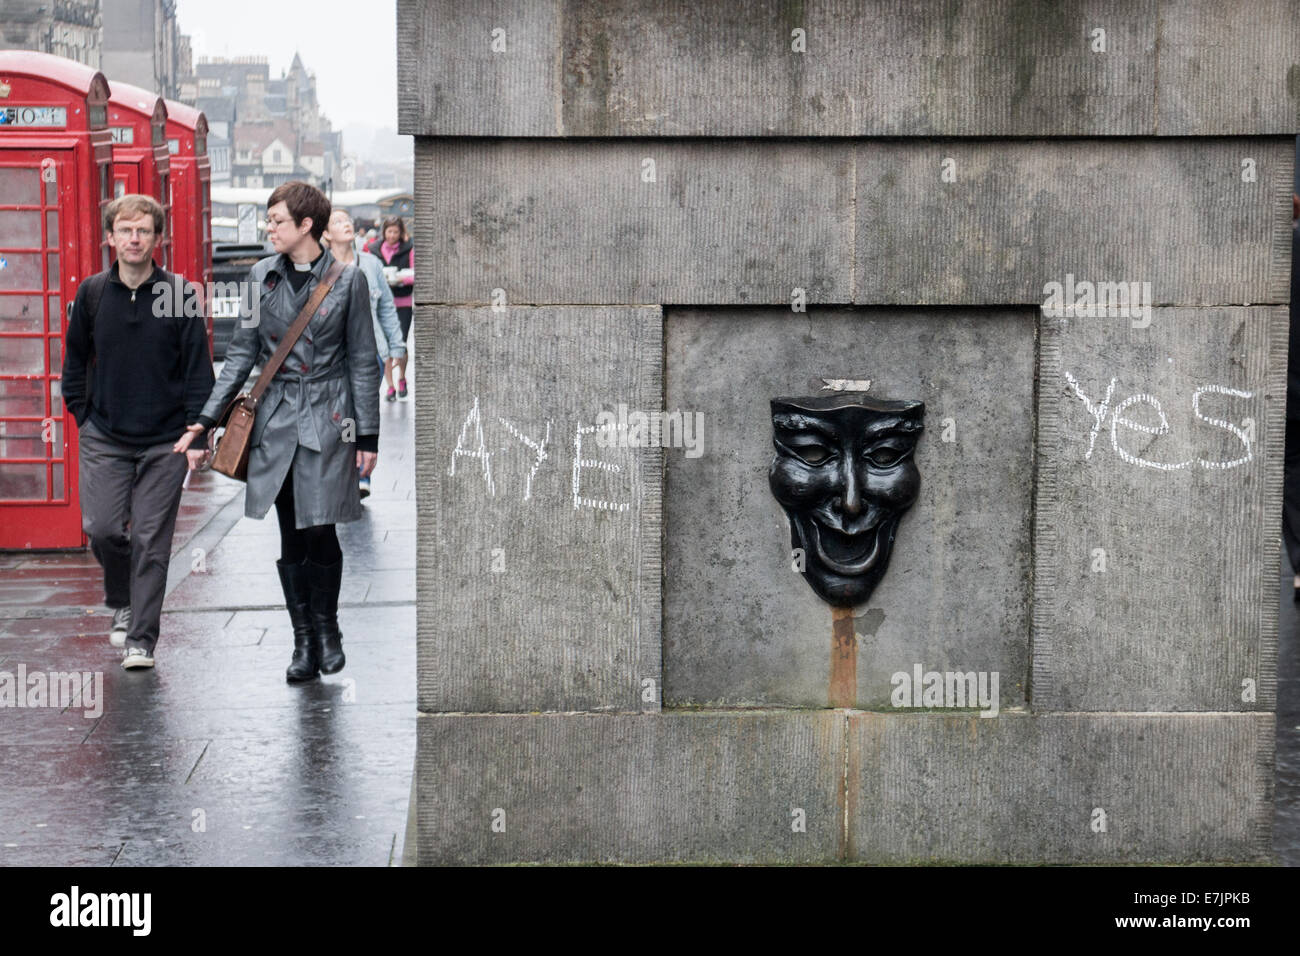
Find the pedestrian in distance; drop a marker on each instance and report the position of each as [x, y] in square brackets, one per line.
[399, 261]
[339, 238]
[316, 424]
[136, 368]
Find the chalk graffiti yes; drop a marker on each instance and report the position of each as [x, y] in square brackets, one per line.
[1121, 417]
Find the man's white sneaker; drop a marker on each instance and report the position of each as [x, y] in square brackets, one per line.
[136, 657]
[121, 624]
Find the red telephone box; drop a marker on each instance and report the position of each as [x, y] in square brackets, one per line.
[55, 166]
[191, 227]
[137, 120]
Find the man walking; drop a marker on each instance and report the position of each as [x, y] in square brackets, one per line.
[136, 369]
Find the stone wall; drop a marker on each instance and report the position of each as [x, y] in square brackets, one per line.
[697, 207]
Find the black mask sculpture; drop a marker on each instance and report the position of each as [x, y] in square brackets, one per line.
[844, 475]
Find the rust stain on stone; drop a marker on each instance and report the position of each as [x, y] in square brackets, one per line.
[844, 658]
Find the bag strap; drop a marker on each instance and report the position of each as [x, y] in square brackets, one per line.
[299, 326]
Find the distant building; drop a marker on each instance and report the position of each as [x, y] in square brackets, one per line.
[62, 27]
[274, 125]
[312, 158]
[219, 159]
[142, 44]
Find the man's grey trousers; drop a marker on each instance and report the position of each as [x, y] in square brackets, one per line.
[129, 499]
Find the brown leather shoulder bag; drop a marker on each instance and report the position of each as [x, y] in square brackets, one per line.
[231, 438]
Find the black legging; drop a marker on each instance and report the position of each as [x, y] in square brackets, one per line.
[318, 543]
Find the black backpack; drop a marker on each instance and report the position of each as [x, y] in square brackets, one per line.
[95, 286]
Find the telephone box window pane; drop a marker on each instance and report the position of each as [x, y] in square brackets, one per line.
[52, 266]
[57, 490]
[20, 482]
[19, 186]
[22, 397]
[20, 313]
[52, 229]
[24, 440]
[56, 399]
[56, 354]
[20, 270]
[51, 194]
[20, 229]
[56, 314]
[23, 357]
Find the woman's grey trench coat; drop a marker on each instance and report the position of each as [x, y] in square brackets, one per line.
[324, 395]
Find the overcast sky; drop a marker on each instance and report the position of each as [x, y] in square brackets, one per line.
[350, 46]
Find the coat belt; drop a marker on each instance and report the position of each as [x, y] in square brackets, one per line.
[292, 383]
[285, 376]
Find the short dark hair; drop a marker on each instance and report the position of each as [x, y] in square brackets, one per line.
[132, 206]
[304, 201]
[398, 222]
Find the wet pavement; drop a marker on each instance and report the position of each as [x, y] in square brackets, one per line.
[211, 758]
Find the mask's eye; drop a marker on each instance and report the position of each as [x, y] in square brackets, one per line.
[812, 454]
[885, 455]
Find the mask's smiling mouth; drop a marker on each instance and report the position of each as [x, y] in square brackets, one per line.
[846, 554]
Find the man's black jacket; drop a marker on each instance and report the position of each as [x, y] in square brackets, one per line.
[139, 367]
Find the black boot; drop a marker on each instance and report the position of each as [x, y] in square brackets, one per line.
[326, 579]
[297, 598]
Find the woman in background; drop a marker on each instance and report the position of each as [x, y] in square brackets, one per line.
[396, 252]
[388, 335]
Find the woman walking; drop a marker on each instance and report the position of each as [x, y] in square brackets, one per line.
[397, 253]
[317, 423]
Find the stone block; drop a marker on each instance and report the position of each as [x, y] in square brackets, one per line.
[486, 68]
[679, 788]
[1202, 221]
[538, 555]
[741, 627]
[570, 222]
[677, 68]
[1160, 455]
[1021, 789]
[618, 68]
[1229, 70]
[884, 68]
